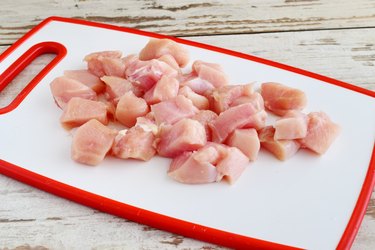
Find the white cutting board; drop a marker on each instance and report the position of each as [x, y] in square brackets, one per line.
[304, 202]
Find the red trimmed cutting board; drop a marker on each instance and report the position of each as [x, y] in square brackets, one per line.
[307, 202]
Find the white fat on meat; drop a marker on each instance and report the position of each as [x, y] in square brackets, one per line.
[129, 108]
[156, 48]
[164, 89]
[247, 141]
[79, 111]
[185, 135]
[135, 143]
[91, 142]
[281, 149]
[64, 88]
[173, 110]
[321, 132]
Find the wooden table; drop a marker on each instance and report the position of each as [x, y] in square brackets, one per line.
[331, 37]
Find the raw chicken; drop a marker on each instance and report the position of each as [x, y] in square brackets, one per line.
[91, 142]
[210, 72]
[197, 84]
[282, 149]
[135, 143]
[279, 98]
[293, 125]
[95, 63]
[113, 66]
[208, 164]
[129, 108]
[199, 101]
[117, 87]
[206, 117]
[79, 111]
[321, 132]
[169, 59]
[147, 124]
[166, 88]
[85, 77]
[241, 116]
[156, 48]
[144, 74]
[64, 88]
[223, 97]
[245, 140]
[184, 135]
[173, 110]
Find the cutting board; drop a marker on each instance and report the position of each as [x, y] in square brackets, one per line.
[306, 202]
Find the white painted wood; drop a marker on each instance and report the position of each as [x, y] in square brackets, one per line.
[192, 17]
[32, 217]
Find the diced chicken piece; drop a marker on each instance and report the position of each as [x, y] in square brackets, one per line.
[257, 121]
[144, 74]
[129, 108]
[156, 48]
[208, 164]
[173, 110]
[94, 61]
[245, 140]
[79, 111]
[293, 125]
[113, 66]
[184, 135]
[128, 60]
[211, 72]
[85, 77]
[64, 88]
[241, 116]
[206, 117]
[255, 99]
[164, 89]
[224, 96]
[279, 98]
[135, 143]
[91, 142]
[199, 101]
[169, 59]
[282, 149]
[197, 84]
[117, 87]
[147, 124]
[321, 132]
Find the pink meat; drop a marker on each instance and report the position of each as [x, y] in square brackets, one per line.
[64, 88]
[245, 140]
[184, 135]
[205, 117]
[128, 60]
[224, 96]
[135, 143]
[279, 98]
[197, 84]
[255, 99]
[95, 63]
[91, 142]
[169, 59]
[147, 124]
[85, 77]
[241, 116]
[173, 110]
[208, 164]
[113, 66]
[144, 74]
[282, 149]
[293, 125]
[156, 48]
[117, 87]
[164, 89]
[129, 108]
[211, 72]
[78, 111]
[199, 101]
[321, 132]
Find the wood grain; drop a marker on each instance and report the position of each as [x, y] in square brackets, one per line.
[187, 18]
[32, 219]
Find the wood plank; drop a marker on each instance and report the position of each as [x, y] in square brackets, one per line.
[187, 18]
[30, 216]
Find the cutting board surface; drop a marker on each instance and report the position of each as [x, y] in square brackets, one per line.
[305, 202]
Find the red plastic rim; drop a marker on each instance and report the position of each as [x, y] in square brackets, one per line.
[147, 217]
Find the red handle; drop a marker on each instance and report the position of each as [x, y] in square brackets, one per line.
[22, 62]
